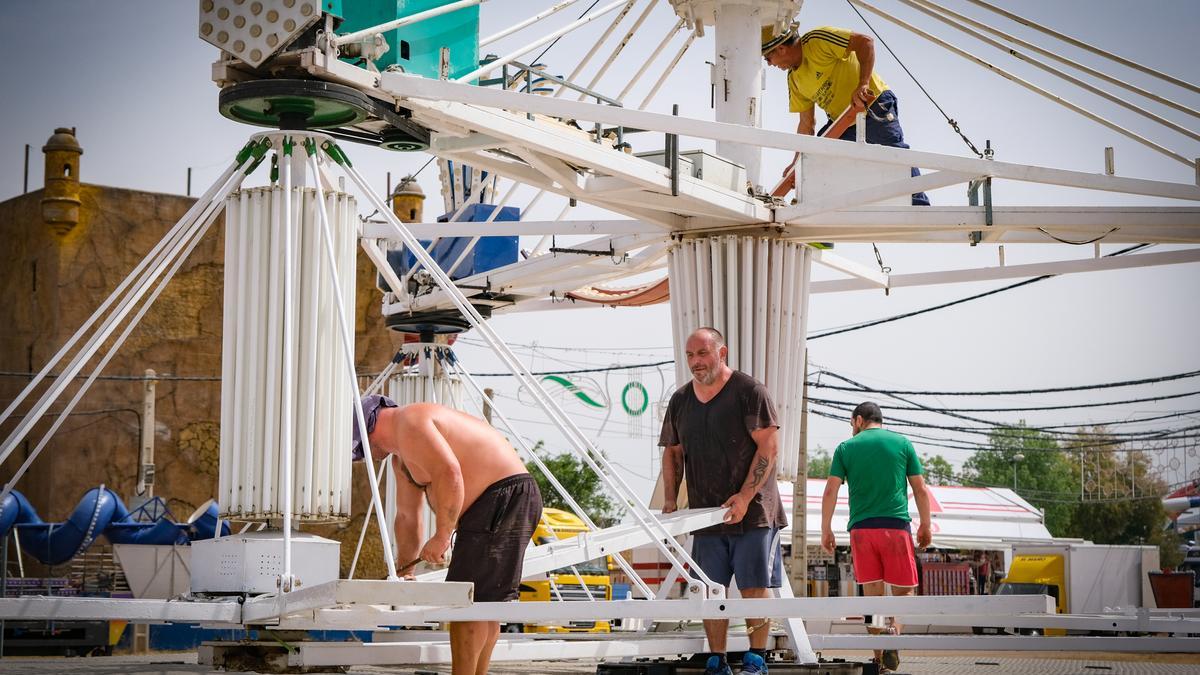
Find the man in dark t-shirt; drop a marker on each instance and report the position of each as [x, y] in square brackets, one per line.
[721, 432]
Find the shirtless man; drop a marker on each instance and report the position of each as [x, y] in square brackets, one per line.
[476, 485]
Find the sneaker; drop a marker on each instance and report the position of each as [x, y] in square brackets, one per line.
[891, 659]
[753, 664]
[715, 667]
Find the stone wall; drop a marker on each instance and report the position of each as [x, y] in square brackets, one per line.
[52, 283]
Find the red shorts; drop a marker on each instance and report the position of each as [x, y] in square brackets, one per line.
[883, 554]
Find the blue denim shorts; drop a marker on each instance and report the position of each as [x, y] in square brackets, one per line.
[753, 557]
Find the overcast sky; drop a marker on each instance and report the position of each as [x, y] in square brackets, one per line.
[134, 78]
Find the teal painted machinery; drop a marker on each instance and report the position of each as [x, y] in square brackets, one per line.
[417, 48]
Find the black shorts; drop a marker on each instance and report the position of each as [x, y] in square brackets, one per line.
[489, 545]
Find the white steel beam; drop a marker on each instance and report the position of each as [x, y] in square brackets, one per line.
[974, 217]
[409, 87]
[441, 144]
[137, 611]
[565, 144]
[904, 186]
[1190, 255]
[607, 646]
[1139, 623]
[1145, 235]
[379, 258]
[1005, 643]
[517, 228]
[608, 185]
[865, 275]
[359, 591]
[1009, 224]
[521, 272]
[609, 541]
[553, 167]
[803, 608]
[528, 175]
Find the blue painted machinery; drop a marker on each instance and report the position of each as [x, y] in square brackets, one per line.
[100, 512]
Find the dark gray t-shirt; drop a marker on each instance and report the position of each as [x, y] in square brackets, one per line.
[718, 448]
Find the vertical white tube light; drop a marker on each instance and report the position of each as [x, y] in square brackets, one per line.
[716, 284]
[762, 264]
[280, 402]
[704, 288]
[732, 337]
[306, 421]
[676, 283]
[758, 298]
[230, 355]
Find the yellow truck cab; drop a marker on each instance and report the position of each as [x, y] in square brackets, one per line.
[1036, 575]
[564, 584]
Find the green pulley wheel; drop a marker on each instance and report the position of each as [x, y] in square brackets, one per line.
[294, 104]
[402, 140]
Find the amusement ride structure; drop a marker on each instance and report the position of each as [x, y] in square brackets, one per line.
[698, 229]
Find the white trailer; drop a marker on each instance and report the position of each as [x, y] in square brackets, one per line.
[1096, 578]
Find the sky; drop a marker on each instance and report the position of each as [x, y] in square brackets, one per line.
[134, 78]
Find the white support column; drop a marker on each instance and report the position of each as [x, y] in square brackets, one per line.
[737, 78]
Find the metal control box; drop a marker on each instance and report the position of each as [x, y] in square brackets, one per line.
[251, 563]
[659, 158]
[716, 170]
[704, 166]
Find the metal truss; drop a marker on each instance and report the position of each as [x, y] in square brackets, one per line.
[490, 128]
[608, 541]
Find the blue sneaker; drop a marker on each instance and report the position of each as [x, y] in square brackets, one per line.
[715, 667]
[753, 664]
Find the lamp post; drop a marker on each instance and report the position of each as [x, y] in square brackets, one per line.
[1016, 458]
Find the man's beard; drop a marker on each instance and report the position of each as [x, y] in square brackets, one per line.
[707, 378]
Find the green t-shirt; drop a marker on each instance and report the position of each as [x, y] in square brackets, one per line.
[876, 464]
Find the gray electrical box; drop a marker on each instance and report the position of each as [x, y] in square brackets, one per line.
[716, 170]
[659, 158]
[251, 563]
[704, 166]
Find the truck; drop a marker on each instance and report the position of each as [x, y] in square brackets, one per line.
[1082, 577]
[564, 584]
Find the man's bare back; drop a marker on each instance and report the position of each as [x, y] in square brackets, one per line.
[475, 445]
[476, 486]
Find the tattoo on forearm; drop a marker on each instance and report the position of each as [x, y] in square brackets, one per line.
[760, 472]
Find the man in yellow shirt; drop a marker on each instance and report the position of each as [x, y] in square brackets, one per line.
[834, 68]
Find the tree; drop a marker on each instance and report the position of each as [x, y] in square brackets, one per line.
[938, 470]
[1044, 476]
[579, 481]
[818, 463]
[1124, 499]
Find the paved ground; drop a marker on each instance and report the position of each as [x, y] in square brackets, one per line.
[917, 664]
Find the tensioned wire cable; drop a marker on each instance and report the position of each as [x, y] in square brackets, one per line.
[953, 124]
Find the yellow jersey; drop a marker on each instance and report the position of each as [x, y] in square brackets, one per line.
[828, 74]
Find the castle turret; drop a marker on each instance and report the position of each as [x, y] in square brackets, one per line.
[60, 198]
[408, 200]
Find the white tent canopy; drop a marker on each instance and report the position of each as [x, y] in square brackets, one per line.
[979, 518]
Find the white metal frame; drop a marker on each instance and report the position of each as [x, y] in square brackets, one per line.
[557, 161]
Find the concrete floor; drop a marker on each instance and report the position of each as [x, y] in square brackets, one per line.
[916, 664]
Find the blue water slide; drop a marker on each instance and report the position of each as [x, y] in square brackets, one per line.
[100, 512]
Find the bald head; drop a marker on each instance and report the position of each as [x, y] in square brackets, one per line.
[706, 354]
[709, 334]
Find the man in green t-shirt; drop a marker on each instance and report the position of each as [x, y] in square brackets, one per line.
[878, 466]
